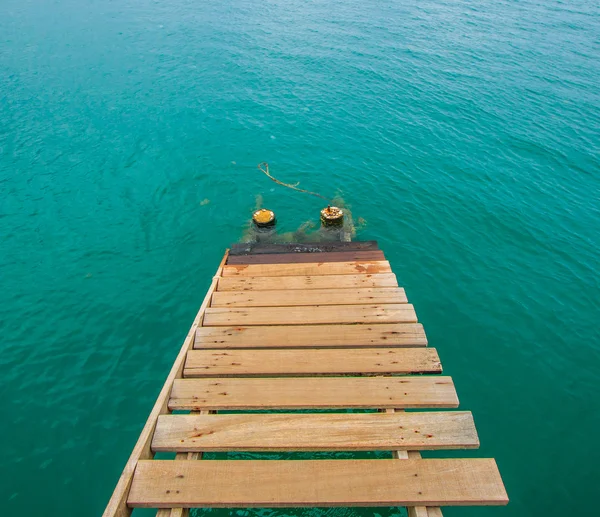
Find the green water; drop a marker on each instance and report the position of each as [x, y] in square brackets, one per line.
[465, 133]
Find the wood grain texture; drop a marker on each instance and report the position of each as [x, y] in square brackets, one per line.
[401, 454]
[255, 483]
[313, 268]
[302, 258]
[313, 392]
[316, 432]
[320, 329]
[287, 298]
[298, 362]
[257, 248]
[306, 282]
[182, 455]
[173, 512]
[346, 314]
[302, 336]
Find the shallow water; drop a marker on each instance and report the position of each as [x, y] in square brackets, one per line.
[466, 134]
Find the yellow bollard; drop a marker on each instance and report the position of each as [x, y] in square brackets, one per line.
[263, 217]
[332, 216]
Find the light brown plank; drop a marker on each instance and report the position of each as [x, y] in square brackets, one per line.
[301, 336]
[297, 362]
[117, 504]
[173, 512]
[182, 455]
[271, 283]
[313, 392]
[256, 483]
[402, 454]
[347, 314]
[285, 298]
[311, 268]
[316, 432]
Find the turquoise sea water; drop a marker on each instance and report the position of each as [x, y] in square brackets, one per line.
[467, 134]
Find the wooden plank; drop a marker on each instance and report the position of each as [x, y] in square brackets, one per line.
[298, 362]
[283, 298]
[173, 512]
[306, 247]
[306, 282]
[402, 454]
[432, 511]
[256, 483]
[117, 505]
[312, 336]
[181, 455]
[347, 314]
[316, 432]
[313, 392]
[303, 258]
[312, 268]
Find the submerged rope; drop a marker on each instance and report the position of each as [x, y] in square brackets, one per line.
[264, 167]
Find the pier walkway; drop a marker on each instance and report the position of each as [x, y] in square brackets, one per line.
[316, 328]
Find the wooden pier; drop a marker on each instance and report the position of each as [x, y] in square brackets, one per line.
[310, 327]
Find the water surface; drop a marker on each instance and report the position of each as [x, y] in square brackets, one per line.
[466, 134]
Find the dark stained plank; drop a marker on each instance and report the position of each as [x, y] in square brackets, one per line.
[299, 258]
[306, 247]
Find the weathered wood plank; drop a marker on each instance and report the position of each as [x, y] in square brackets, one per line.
[402, 454]
[306, 282]
[302, 258]
[255, 483]
[173, 512]
[298, 362]
[316, 432]
[306, 247]
[181, 455]
[285, 298]
[313, 392]
[313, 268]
[312, 336]
[347, 314]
